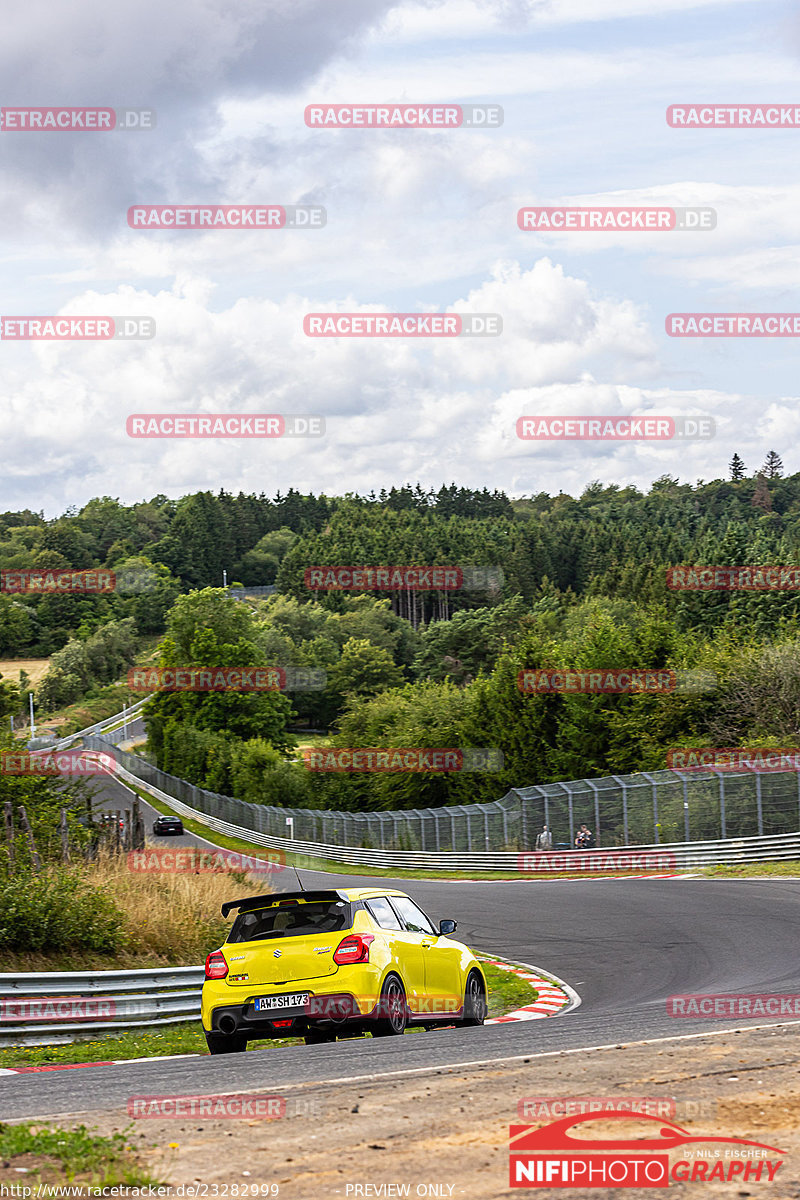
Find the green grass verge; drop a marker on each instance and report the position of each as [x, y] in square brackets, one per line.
[75, 1156]
[752, 870]
[506, 993]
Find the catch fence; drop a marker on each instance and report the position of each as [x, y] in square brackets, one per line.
[647, 808]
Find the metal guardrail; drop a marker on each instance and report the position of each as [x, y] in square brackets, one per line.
[48, 1007]
[679, 856]
[101, 726]
[646, 808]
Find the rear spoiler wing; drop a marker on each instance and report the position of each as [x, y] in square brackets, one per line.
[255, 902]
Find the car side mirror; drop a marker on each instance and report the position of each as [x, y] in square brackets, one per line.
[446, 927]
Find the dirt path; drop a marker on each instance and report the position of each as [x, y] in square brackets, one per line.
[446, 1134]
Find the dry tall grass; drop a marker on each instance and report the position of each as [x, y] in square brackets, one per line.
[167, 919]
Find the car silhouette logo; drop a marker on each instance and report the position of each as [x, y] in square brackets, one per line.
[276, 953]
[557, 1136]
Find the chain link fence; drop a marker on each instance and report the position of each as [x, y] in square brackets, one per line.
[649, 808]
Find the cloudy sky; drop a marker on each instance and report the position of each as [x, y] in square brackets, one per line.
[417, 221]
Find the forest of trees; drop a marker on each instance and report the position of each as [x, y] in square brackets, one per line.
[583, 585]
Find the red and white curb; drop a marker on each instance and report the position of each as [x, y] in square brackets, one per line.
[110, 1062]
[554, 997]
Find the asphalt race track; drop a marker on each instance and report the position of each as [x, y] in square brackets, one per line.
[624, 945]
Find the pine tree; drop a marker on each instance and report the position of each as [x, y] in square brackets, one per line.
[737, 468]
[773, 466]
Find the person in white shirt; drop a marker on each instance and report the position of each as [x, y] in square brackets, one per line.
[545, 839]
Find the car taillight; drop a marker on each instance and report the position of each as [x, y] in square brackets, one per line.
[353, 949]
[216, 967]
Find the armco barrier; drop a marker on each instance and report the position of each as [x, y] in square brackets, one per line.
[662, 858]
[645, 808]
[44, 1008]
[101, 726]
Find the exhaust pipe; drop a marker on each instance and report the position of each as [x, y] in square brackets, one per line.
[227, 1024]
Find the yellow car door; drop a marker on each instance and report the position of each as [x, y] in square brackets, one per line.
[443, 983]
[407, 949]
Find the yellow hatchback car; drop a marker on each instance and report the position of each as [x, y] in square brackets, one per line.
[328, 964]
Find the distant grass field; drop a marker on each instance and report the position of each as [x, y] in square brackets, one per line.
[34, 668]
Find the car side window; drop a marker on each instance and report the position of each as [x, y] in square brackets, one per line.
[382, 912]
[414, 918]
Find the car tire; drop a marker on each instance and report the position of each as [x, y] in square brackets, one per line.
[475, 1006]
[315, 1037]
[392, 1010]
[222, 1043]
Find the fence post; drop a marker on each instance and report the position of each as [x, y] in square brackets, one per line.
[617, 779]
[8, 820]
[568, 790]
[596, 810]
[686, 810]
[64, 831]
[26, 826]
[523, 820]
[723, 825]
[759, 805]
[486, 826]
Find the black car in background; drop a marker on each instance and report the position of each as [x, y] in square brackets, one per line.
[166, 825]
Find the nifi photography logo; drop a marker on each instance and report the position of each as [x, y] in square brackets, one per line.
[559, 1155]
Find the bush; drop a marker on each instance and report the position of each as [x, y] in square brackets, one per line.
[56, 911]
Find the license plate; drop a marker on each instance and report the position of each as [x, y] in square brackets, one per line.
[278, 1003]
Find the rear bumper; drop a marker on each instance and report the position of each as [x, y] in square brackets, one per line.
[322, 1011]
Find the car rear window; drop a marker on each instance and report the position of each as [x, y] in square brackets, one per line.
[291, 920]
